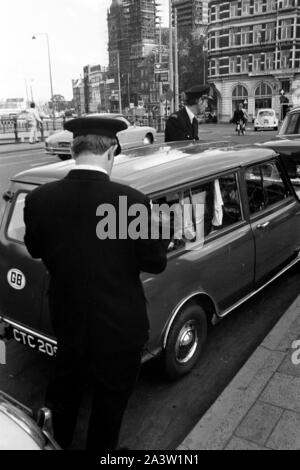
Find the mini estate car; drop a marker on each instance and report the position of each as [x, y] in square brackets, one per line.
[60, 142]
[245, 220]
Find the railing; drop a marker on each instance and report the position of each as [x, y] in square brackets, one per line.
[19, 126]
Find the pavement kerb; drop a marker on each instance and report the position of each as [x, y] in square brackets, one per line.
[218, 424]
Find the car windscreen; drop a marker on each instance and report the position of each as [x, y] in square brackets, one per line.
[291, 124]
[266, 113]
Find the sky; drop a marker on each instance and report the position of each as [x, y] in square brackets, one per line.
[77, 32]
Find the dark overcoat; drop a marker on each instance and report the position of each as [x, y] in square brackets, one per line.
[179, 127]
[96, 296]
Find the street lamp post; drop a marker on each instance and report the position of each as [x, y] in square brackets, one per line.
[50, 73]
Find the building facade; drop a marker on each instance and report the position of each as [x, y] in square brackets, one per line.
[132, 33]
[254, 54]
[92, 92]
[191, 15]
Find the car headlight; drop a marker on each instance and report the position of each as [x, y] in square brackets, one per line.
[298, 170]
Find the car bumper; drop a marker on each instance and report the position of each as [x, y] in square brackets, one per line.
[57, 150]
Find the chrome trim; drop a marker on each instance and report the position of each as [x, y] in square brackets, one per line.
[218, 316]
[244, 299]
[178, 308]
[24, 422]
[27, 330]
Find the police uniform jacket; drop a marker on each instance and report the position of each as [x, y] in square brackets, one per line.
[96, 296]
[179, 127]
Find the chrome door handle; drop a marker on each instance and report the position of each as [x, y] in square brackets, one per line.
[264, 225]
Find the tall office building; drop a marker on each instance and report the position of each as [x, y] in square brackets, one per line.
[254, 53]
[131, 38]
[192, 15]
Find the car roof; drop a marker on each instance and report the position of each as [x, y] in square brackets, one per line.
[296, 109]
[157, 167]
[265, 109]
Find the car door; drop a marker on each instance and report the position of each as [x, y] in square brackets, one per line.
[21, 278]
[275, 218]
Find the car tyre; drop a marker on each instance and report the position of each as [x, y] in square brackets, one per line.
[185, 341]
[255, 129]
[148, 139]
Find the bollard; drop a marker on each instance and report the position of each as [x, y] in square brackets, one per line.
[16, 128]
[42, 132]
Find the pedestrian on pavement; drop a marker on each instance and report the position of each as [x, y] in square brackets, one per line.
[34, 120]
[183, 124]
[96, 298]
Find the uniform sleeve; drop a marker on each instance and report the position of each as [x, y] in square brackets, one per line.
[152, 252]
[32, 237]
[174, 129]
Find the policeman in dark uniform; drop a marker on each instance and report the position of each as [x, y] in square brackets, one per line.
[96, 299]
[183, 124]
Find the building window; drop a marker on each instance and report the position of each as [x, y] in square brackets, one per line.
[271, 5]
[257, 6]
[263, 96]
[257, 34]
[270, 32]
[239, 95]
[285, 86]
[286, 29]
[285, 59]
[269, 61]
[245, 36]
[246, 7]
[234, 11]
[288, 3]
[245, 64]
[233, 37]
[233, 65]
[256, 63]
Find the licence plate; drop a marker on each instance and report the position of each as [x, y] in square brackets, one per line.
[41, 345]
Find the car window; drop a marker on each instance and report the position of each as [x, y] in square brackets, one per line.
[265, 186]
[16, 227]
[291, 125]
[266, 113]
[221, 203]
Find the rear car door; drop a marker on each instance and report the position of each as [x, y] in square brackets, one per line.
[275, 218]
[22, 279]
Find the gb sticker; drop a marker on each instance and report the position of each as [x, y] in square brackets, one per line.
[16, 279]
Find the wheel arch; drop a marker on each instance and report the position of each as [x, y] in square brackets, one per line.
[199, 298]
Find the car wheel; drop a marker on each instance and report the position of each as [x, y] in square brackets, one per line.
[255, 129]
[64, 157]
[148, 139]
[185, 342]
[276, 128]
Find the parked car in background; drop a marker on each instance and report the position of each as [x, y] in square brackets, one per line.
[287, 145]
[239, 230]
[266, 119]
[134, 136]
[20, 431]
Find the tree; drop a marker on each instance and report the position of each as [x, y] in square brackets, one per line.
[192, 69]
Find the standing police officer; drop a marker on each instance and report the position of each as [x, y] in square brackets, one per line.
[96, 298]
[183, 124]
